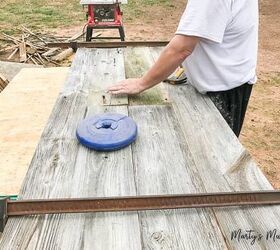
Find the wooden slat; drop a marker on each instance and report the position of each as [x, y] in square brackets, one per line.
[108, 174]
[109, 63]
[223, 165]
[105, 63]
[231, 170]
[50, 52]
[3, 82]
[63, 168]
[22, 52]
[158, 144]
[183, 148]
[138, 61]
[13, 53]
[162, 167]
[63, 55]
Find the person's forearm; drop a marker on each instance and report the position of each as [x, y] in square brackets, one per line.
[174, 54]
[171, 57]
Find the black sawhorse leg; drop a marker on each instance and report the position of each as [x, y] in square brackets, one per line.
[90, 32]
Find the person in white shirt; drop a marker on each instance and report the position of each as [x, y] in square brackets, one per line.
[216, 42]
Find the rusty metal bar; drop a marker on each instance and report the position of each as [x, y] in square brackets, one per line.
[134, 203]
[75, 45]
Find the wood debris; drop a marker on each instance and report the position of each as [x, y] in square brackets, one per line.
[31, 47]
[3, 82]
[63, 55]
[22, 51]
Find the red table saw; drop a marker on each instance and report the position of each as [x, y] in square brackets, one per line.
[102, 14]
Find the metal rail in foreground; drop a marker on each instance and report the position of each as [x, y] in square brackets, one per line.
[76, 45]
[134, 203]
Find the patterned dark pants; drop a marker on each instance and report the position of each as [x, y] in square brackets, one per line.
[232, 104]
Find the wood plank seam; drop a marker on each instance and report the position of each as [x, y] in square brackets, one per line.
[206, 144]
[171, 216]
[146, 52]
[230, 185]
[221, 230]
[71, 107]
[136, 189]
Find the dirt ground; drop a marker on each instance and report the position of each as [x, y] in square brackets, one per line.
[261, 133]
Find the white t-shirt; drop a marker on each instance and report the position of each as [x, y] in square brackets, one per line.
[226, 56]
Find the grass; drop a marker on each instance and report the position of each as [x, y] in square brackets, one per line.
[51, 14]
[138, 8]
[39, 15]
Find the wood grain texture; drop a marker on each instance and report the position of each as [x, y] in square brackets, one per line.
[162, 167]
[63, 55]
[3, 82]
[223, 165]
[138, 61]
[63, 168]
[183, 147]
[106, 64]
[22, 52]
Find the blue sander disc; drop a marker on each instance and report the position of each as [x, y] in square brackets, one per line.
[107, 132]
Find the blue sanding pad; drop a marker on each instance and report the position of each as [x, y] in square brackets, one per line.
[107, 132]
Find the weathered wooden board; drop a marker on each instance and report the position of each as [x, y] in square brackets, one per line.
[22, 121]
[159, 146]
[183, 147]
[108, 174]
[22, 52]
[223, 165]
[162, 167]
[137, 61]
[3, 82]
[63, 168]
[104, 63]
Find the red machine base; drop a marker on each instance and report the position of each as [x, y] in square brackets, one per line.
[104, 16]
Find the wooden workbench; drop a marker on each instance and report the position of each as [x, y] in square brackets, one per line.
[184, 146]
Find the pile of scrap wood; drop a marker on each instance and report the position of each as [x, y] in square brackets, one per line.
[31, 47]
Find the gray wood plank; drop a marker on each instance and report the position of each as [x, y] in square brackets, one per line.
[63, 168]
[183, 148]
[223, 165]
[162, 165]
[137, 61]
[89, 62]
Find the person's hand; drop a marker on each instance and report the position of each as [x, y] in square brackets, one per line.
[130, 86]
